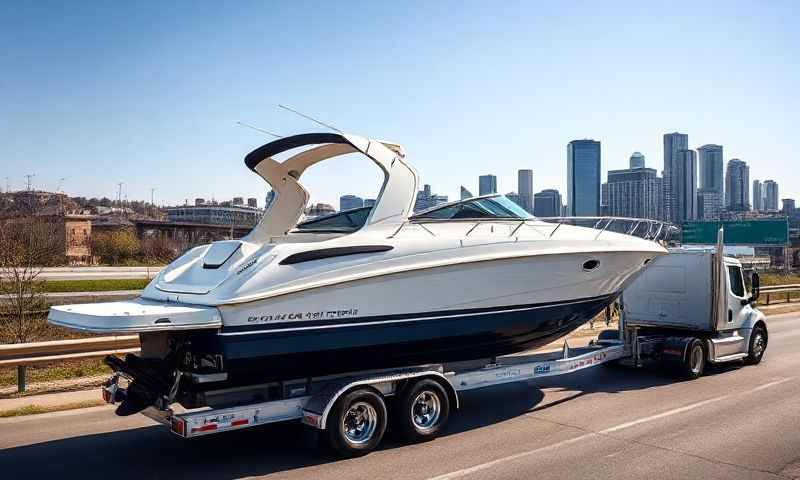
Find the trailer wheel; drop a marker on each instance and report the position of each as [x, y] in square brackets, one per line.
[695, 361]
[357, 423]
[758, 345]
[422, 411]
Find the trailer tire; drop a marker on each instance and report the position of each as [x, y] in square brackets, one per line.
[357, 423]
[757, 347]
[422, 410]
[694, 361]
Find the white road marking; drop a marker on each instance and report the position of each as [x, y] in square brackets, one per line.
[487, 465]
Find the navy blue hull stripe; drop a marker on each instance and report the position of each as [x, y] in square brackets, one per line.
[395, 318]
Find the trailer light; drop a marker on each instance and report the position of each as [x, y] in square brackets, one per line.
[205, 428]
[178, 426]
[106, 395]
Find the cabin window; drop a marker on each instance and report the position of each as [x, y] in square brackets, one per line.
[737, 282]
[346, 221]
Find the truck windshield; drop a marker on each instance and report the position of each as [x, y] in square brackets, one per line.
[737, 283]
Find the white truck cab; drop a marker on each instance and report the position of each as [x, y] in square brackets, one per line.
[698, 299]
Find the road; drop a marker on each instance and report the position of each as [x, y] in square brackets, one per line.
[97, 273]
[736, 422]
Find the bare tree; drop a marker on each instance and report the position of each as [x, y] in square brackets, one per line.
[27, 245]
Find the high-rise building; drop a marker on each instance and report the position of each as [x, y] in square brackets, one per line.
[788, 207]
[238, 201]
[771, 196]
[269, 199]
[758, 196]
[547, 203]
[709, 204]
[583, 178]
[252, 202]
[737, 186]
[637, 160]
[525, 189]
[465, 194]
[369, 202]
[634, 193]
[514, 197]
[487, 184]
[711, 164]
[427, 199]
[348, 202]
[674, 144]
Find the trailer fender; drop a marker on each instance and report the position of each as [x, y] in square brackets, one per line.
[319, 406]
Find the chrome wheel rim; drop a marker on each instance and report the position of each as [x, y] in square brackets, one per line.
[426, 410]
[359, 423]
[758, 345]
[696, 359]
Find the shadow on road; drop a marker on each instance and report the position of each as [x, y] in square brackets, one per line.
[151, 452]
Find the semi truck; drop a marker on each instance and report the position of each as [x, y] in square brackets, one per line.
[688, 309]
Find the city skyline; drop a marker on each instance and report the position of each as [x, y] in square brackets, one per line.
[149, 95]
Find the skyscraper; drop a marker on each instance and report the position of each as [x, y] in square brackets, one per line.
[547, 203]
[465, 194]
[711, 167]
[674, 143]
[347, 202]
[487, 184]
[758, 196]
[427, 199]
[583, 178]
[788, 206]
[637, 160]
[770, 196]
[525, 189]
[709, 204]
[634, 193]
[737, 186]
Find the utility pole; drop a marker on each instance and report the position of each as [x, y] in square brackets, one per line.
[8, 186]
[119, 193]
[29, 177]
[152, 202]
[60, 184]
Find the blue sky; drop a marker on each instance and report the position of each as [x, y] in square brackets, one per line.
[149, 93]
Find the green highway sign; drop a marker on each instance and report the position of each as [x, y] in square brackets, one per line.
[765, 232]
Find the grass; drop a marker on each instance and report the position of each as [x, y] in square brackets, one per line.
[62, 370]
[36, 409]
[52, 286]
[779, 279]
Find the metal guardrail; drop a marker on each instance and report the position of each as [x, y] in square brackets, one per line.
[773, 290]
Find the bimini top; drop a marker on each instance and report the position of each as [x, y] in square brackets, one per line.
[393, 205]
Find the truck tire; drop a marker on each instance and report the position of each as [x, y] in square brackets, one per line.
[758, 345]
[422, 411]
[694, 361]
[357, 423]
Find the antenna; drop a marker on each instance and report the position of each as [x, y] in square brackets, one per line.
[29, 177]
[308, 117]
[259, 129]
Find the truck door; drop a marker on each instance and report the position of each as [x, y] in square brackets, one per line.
[735, 315]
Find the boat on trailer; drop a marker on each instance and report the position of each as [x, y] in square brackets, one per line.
[370, 288]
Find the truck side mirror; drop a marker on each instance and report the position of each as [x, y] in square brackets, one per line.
[756, 284]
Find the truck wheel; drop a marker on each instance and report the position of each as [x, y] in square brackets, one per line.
[422, 411]
[758, 345]
[695, 361]
[357, 423]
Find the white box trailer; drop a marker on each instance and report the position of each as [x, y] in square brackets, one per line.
[688, 308]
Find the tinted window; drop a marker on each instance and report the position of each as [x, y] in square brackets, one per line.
[347, 221]
[491, 207]
[737, 283]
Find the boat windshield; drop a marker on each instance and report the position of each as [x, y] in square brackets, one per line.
[497, 206]
[346, 221]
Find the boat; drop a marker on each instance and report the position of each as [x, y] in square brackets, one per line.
[370, 288]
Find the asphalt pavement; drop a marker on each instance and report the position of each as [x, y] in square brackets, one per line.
[735, 422]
